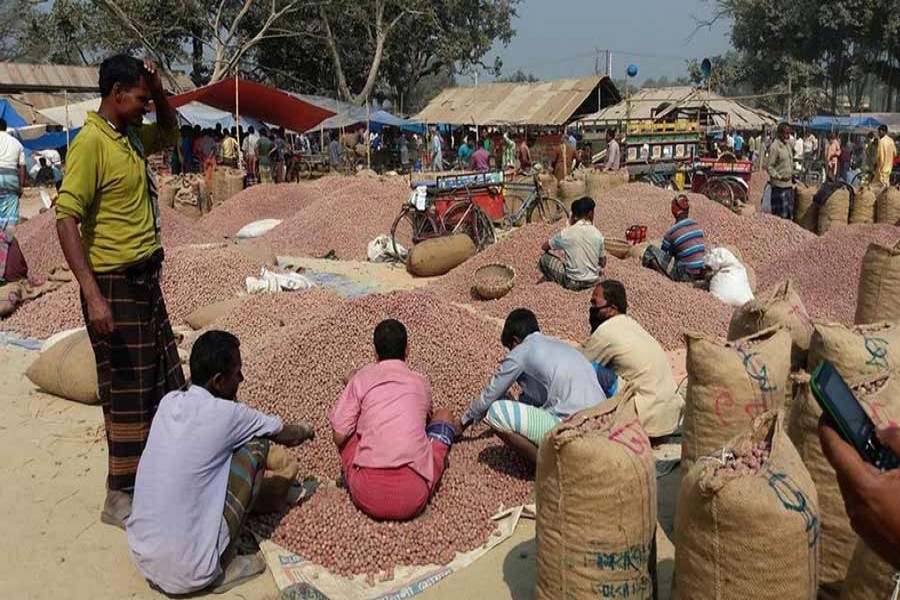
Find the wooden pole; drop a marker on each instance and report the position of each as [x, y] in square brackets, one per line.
[368, 136]
[66, 100]
[237, 117]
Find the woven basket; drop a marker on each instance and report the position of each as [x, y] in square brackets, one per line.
[488, 278]
[618, 247]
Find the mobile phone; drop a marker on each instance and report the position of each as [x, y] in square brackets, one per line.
[848, 418]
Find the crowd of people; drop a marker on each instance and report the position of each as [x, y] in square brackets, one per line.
[498, 149]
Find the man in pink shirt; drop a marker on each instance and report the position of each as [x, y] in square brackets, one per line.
[393, 452]
[481, 160]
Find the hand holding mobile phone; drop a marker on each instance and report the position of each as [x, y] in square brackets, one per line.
[847, 417]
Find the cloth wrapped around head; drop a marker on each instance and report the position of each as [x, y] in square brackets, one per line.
[680, 205]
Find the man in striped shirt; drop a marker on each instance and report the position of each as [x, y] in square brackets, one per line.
[683, 242]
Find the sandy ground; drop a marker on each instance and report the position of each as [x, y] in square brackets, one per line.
[54, 467]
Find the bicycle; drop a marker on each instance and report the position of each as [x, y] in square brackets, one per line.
[537, 205]
[414, 225]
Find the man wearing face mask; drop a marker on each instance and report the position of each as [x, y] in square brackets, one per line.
[619, 342]
[205, 451]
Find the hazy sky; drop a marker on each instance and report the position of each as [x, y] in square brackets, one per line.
[557, 38]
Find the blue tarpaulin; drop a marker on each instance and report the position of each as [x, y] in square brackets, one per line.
[9, 114]
[840, 123]
[50, 141]
[380, 118]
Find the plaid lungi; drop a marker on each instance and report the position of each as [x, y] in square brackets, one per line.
[245, 477]
[555, 270]
[782, 200]
[137, 364]
[9, 198]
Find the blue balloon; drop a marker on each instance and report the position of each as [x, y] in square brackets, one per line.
[632, 70]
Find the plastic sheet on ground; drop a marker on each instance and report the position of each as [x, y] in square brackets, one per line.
[309, 580]
[12, 340]
[341, 285]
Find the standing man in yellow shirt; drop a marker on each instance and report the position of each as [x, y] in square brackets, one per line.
[887, 150]
[229, 149]
[110, 193]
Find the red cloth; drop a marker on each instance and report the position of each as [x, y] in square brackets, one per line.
[395, 494]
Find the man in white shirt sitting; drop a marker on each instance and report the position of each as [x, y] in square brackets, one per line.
[583, 247]
[199, 476]
[12, 177]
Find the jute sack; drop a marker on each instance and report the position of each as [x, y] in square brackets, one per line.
[281, 471]
[439, 255]
[806, 212]
[188, 202]
[168, 185]
[617, 247]
[781, 306]
[878, 295]
[869, 577]
[67, 369]
[835, 212]
[730, 384]
[595, 183]
[863, 209]
[856, 352]
[549, 184]
[208, 315]
[887, 206]
[596, 500]
[837, 538]
[742, 535]
[570, 190]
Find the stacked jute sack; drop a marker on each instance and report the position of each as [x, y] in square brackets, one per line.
[747, 524]
[226, 182]
[866, 355]
[596, 506]
[589, 182]
[875, 204]
[187, 194]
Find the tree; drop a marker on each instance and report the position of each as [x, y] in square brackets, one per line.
[450, 36]
[221, 30]
[519, 76]
[836, 47]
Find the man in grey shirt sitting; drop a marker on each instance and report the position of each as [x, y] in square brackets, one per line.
[199, 476]
[556, 380]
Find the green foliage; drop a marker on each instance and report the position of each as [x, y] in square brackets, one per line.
[519, 76]
[830, 50]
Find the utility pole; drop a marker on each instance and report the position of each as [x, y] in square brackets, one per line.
[609, 63]
[790, 98]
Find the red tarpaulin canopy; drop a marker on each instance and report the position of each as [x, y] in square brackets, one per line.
[258, 101]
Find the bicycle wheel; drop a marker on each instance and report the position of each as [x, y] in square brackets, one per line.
[465, 217]
[546, 210]
[739, 193]
[720, 191]
[409, 228]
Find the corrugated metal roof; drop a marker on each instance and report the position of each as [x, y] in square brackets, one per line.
[27, 77]
[651, 103]
[541, 103]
